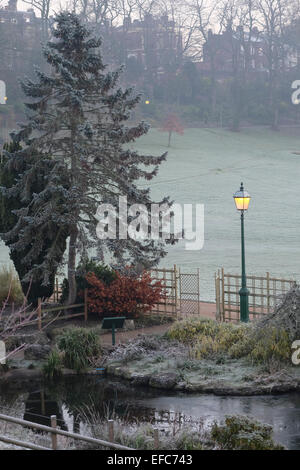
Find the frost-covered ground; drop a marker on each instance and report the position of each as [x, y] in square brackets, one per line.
[206, 166]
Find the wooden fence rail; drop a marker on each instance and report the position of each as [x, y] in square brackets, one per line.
[54, 432]
[26, 445]
[181, 295]
[264, 292]
[61, 308]
[181, 292]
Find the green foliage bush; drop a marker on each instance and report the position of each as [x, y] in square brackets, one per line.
[80, 347]
[10, 286]
[53, 367]
[102, 272]
[207, 338]
[243, 433]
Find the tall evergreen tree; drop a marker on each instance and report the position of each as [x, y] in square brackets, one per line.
[77, 121]
[44, 243]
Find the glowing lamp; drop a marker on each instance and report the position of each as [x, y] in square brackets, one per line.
[242, 199]
[147, 102]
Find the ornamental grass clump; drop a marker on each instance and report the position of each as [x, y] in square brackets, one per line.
[80, 348]
[140, 435]
[236, 433]
[207, 338]
[10, 286]
[223, 341]
[271, 344]
[53, 367]
[258, 343]
[187, 331]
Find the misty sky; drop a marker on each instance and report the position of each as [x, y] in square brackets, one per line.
[22, 6]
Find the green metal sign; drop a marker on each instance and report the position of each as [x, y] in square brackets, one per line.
[111, 323]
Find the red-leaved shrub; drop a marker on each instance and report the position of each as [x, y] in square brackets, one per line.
[126, 296]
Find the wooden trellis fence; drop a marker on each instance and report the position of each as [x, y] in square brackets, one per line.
[189, 288]
[181, 293]
[264, 292]
[169, 302]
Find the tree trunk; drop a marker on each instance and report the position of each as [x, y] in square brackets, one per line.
[72, 266]
[236, 108]
[213, 86]
[275, 119]
[74, 228]
[170, 135]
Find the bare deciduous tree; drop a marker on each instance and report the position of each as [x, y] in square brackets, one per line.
[44, 8]
[273, 18]
[205, 16]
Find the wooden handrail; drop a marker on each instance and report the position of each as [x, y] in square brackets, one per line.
[41, 427]
[62, 307]
[27, 445]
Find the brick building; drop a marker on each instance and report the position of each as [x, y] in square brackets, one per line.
[148, 47]
[221, 51]
[20, 37]
[153, 45]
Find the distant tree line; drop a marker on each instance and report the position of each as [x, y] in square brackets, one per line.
[205, 95]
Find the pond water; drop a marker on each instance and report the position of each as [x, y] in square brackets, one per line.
[167, 410]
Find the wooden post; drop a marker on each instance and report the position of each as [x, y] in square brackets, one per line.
[228, 286]
[198, 289]
[237, 287]
[268, 292]
[217, 288]
[179, 292]
[111, 436]
[176, 292]
[85, 305]
[165, 281]
[156, 439]
[39, 313]
[43, 407]
[53, 434]
[56, 288]
[254, 297]
[223, 295]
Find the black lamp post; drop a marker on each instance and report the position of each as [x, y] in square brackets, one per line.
[242, 201]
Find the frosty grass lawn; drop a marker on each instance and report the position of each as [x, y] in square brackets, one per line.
[206, 166]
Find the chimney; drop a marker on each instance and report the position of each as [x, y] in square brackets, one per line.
[127, 22]
[12, 5]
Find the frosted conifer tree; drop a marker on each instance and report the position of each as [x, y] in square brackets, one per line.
[77, 119]
[44, 239]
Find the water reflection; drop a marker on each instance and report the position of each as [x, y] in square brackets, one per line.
[39, 407]
[76, 400]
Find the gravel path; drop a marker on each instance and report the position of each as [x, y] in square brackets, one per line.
[206, 310]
